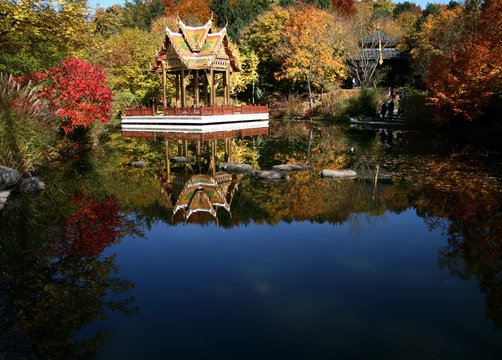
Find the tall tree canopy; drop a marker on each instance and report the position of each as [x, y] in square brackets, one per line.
[35, 34]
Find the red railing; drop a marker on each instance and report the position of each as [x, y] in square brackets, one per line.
[199, 111]
[216, 110]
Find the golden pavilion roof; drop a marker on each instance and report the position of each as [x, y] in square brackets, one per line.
[196, 48]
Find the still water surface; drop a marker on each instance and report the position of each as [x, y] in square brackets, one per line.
[408, 268]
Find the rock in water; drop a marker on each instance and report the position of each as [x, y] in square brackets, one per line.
[236, 167]
[8, 177]
[270, 175]
[292, 167]
[338, 174]
[138, 164]
[32, 185]
[182, 159]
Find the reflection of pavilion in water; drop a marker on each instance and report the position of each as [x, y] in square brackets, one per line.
[198, 197]
[195, 190]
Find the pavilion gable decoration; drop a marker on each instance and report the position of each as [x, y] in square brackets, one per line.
[199, 56]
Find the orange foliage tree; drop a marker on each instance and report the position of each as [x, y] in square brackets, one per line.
[189, 9]
[464, 80]
[344, 7]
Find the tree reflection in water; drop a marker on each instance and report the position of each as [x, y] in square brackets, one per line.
[60, 282]
[471, 199]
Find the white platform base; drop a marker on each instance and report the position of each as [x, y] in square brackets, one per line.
[194, 124]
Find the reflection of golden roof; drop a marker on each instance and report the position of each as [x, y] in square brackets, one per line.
[200, 193]
[196, 48]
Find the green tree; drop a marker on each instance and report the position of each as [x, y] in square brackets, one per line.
[127, 62]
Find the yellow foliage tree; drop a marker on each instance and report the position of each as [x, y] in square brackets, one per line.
[310, 52]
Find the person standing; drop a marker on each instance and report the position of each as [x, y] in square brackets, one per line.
[391, 107]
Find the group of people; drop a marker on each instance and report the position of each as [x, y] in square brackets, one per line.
[388, 106]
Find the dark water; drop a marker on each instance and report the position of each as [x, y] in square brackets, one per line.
[407, 267]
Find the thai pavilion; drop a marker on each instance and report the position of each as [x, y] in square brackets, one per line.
[199, 54]
[200, 61]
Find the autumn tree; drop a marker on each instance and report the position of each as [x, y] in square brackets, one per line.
[344, 7]
[140, 13]
[438, 35]
[309, 52]
[127, 62]
[263, 36]
[77, 93]
[107, 22]
[35, 34]
[193, 12]
[468, 78]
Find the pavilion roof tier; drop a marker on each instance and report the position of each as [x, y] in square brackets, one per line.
[196, 48]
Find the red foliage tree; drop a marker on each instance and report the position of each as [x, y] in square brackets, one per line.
[93, 227]
[76, 91]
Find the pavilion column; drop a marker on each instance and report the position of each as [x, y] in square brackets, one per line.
[196, 87]
[212, 88]
[206, 94]
[226, 88]
[164, 84]
[177, 86]
[183, 88]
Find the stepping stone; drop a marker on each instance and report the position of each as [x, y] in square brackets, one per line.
[292, 167]
[236, 167]
[182, 159]
[138, 164]
[270, 175]
[338, 174]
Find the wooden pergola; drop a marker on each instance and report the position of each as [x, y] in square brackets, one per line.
[199, 55]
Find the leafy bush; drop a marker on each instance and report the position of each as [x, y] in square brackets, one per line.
[365, 104]
[25, 133]
[332, 104]
[292, 107]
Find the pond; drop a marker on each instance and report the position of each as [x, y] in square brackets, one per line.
[110, 263]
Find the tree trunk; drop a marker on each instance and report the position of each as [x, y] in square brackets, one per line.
[311, 99]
